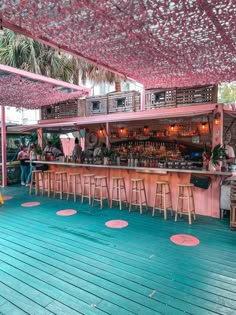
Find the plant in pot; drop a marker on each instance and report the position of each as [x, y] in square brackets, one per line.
[217, 155]
[107, 155]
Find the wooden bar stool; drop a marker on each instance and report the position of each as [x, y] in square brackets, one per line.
[36, 181]
[59, 183]
[74, 181]
[233, 205]
[137, 187]
[88, 183]
[118, 186]
[162, 199]
[48, 179]
[100, 184]
[185, 192]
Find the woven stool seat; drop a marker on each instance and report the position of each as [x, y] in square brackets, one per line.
[60, 184]
[36, 182]
[162, 199]
[88, 183]
[118, 187]
[138, 195]
[48, 179]
[100, 184]
[74, 182]
[185, 193]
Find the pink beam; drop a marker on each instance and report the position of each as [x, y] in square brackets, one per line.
[4, 146]
[41, 78]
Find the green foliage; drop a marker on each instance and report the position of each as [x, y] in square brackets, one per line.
[107, 153]
[38, 150]
[227, 93]
[218, 154]
[21, 52]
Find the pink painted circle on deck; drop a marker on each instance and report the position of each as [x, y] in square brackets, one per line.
[67, 212]
[185, 240]
[116, 224]
[7, 197]
[30, 204]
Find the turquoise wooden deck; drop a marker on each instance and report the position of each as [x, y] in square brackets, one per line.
[76, 265]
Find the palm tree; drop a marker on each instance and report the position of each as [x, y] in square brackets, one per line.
[21, 52]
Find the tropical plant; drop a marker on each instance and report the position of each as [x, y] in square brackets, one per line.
[38, 149]
[227, 92]
[107, 152]
[218, 154]
[21, 52]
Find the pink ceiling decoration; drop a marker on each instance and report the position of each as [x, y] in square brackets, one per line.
[162, 43]
[19, 92]
[28, 90]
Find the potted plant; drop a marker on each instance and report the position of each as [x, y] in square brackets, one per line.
[217, 155]
[107, 155]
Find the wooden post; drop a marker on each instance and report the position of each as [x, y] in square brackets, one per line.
[40, 137]
[107, 135]
[143, 101]
[4, 146]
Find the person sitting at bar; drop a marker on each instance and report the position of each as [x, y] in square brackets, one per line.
[77, 151]
[49, 150]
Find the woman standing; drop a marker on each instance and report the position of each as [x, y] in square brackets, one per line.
[23, 155]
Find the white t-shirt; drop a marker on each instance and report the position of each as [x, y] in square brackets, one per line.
[229, 151]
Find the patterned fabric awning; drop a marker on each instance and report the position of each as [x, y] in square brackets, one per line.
[161, 43]
[23, 89]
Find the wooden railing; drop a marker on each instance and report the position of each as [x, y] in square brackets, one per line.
[131, 102]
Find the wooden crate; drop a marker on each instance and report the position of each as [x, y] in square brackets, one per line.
[195, 95]
[65, 109]
[129, 101]
[96, 105]
[160, 98]
[167, 98]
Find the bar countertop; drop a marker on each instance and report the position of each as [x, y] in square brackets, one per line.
[150, 170]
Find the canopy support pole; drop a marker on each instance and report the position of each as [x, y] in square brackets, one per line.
[4, 146]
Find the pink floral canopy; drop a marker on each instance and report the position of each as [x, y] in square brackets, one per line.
[161, 43]
[23, 89]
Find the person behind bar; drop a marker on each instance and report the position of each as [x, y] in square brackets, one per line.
[77, 151]
[98, 150]
[230, 154]
[49, 150]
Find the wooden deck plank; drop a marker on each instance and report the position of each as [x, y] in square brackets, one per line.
[196, 258]
[24, 303]
[39, 248]
[212, 282]
[24, 289]
[11, 309]
[201, 301]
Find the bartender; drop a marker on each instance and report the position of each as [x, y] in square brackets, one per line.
[230, 154]
[49, 150]
[97, 153]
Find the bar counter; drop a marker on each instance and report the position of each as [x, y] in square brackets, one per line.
[207, 201]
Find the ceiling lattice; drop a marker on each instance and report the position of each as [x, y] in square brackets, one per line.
[161, 43]
[33, 91]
